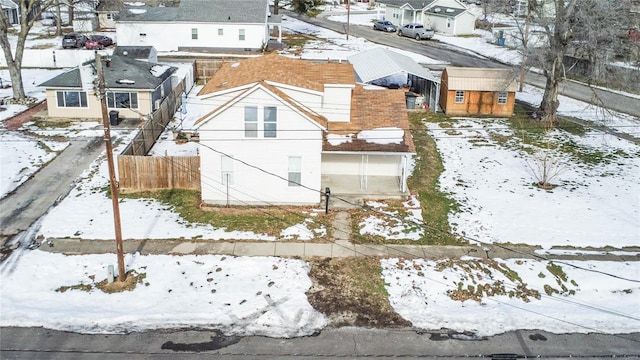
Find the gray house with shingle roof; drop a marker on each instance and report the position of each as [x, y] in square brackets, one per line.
[134, 88]
[444, 16]
[201, 25]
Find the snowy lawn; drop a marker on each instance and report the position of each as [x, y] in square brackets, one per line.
[237, 295]
[595, 203]
[505, 295]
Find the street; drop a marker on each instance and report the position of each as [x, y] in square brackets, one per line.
[345, 343]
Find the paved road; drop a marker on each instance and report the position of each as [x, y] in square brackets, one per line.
[32, 199]
[461, 57]
[341, 343]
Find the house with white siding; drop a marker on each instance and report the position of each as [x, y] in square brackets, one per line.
[281, 130]
[239, 26]
[450, 17]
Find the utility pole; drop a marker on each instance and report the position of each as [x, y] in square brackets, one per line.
[348, 15]
[112, 170]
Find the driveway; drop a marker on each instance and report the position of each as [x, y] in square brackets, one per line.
[53, 182]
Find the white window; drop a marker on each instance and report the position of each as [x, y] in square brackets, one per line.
[226, 170]
[270, 121]
[241, 34]
[459, 97]
[220, 32]
[502, 97]
[194, 34]
[295, 171]
[251, 121]
[71, 98]
[110, 16]
[122, 100]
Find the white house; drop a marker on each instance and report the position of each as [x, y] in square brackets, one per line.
[282, 130]
[11, 11]
[444, 16]
[200, 25]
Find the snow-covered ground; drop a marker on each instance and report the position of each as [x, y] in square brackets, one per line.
[594, 206]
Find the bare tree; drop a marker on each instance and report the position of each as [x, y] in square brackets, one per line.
[30, 11]
[568, 25]
[545, 167]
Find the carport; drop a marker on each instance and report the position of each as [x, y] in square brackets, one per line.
[383, 67]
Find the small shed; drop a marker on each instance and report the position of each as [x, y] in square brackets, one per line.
[383, 67]
[477, 91]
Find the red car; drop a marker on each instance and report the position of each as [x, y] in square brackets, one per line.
[98, 42]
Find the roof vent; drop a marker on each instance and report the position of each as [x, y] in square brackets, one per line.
[437, 10]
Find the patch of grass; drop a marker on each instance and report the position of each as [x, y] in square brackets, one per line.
[297, 40]
[129, 284]
[351, 292]
[436, 205]
[479, 283]
[261, 220]
[132, 278]
[81, 287]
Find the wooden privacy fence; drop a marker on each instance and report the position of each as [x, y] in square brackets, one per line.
[152, 128]
[137, 173]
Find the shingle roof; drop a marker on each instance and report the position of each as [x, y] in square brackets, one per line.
[379, 62]
[110, 5]
[480, 79]
[8, 4]
[370, 109]
[144, 75]
[445, 11]
[373, 109]
[136, 52]
[280, 69]
[205, 11]
[416, 4]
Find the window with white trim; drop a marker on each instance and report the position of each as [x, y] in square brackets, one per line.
[241, 34]
[295, 171]
[251, 121]
[226, 170]
[220, 31]
[270, 121]
[194, 34]
[72, 99]
[459, 97]
[502, 97]
[122, 100]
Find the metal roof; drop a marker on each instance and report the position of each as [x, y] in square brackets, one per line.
[204, 11]
[379, 62]
[480, 79]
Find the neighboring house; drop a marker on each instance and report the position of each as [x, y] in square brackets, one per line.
[240, 26]
[134, 88]
[11, 11]
[380, 66]
[477, 91]
[282, 130]
[450, 17]
[107, 11]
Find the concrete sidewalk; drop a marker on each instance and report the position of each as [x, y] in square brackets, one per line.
[338, 248]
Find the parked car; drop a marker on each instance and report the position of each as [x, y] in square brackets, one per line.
[98, 42]
[74, 41]
[385, 25]
[416, 31]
